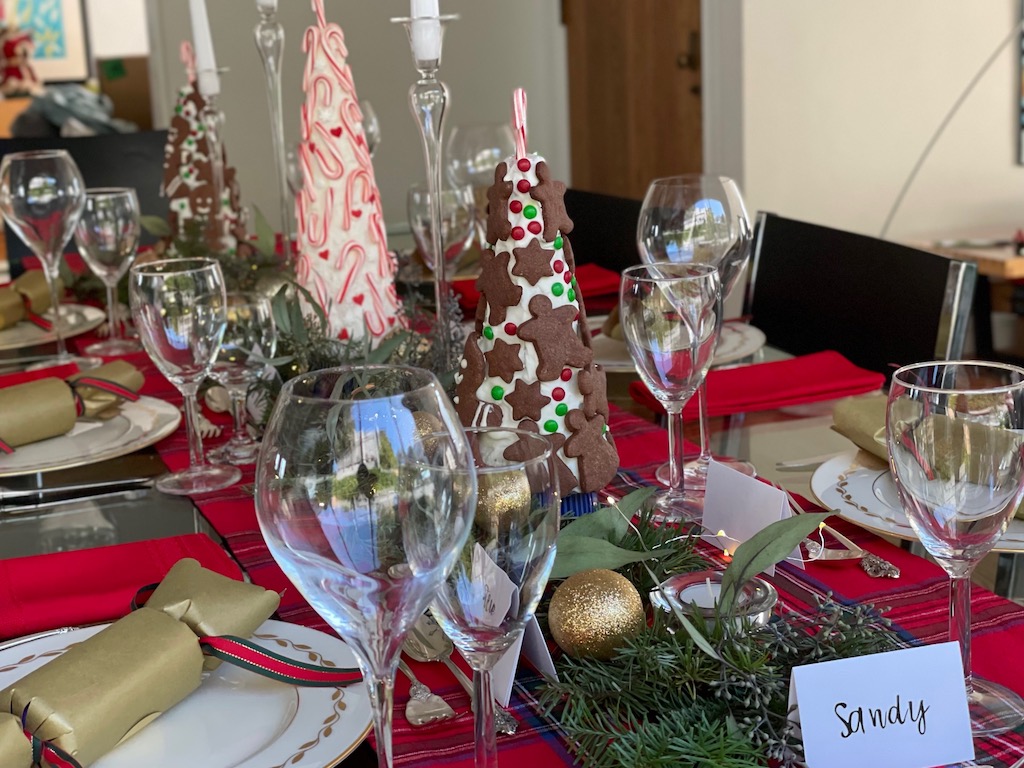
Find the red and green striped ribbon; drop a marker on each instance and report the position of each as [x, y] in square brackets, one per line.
[247, 655]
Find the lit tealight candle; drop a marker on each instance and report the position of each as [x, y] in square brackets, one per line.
[699, 593]
[703, 595]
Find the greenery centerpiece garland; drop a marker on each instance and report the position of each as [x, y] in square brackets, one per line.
[686, 691]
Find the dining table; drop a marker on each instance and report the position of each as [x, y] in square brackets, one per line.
[146, 531]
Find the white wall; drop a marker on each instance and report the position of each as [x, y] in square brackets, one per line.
[496, 46]
[840, 98]
[117, 28]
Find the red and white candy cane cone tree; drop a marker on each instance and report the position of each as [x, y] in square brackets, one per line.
[343, 256]
[528, 363]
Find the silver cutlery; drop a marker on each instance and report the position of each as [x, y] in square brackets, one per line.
[805, 464]
[35, 636]
[424, 706]
[872, 564]
[427, 642]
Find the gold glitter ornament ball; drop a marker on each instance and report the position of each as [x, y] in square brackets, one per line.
[500, 497]
[592, 613]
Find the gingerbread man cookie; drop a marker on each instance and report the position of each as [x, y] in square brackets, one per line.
[558, 345]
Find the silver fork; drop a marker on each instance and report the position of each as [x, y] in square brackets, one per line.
[424, 706]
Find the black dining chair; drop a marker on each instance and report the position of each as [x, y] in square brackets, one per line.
[878, 303]
[604, 229]
[109, 160]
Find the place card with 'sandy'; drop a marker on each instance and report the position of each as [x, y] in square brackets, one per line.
[900, 709]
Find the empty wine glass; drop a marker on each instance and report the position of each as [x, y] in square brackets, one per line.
[107, 235]
[250, 339]
[671, 318]
[41, 197]
[955, 439]
[473, 152]
[371, 126]
[697, 219]
[364, 500]
[458, 217]
[499, 578]
[178, 306]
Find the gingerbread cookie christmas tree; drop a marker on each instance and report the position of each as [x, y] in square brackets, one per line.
[528, 363]
[343, 252]
[189, 176]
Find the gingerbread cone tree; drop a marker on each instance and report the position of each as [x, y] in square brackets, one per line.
[189, 174]
[528, 363]
[343, 254]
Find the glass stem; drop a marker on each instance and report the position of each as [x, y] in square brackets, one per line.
[195, 440]
[115, 326]
[675, 446]
[52, 271]
[483, 720]
[705, 434]
[382, 694]
[960, 622]
[238, 414]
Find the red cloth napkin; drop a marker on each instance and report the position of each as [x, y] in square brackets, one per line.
[93, 585]
[765, 386]
[598, 286]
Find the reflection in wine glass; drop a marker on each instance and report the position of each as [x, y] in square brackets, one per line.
[671, 318]
[697, 219]
[458, 216]
[179, 310]
[107, 235]
[371, 126]
[955, 433]
[473, 152]
[364, 500]
[41, 197]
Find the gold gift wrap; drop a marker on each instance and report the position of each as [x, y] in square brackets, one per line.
[35, 411]
[97, 402]
[12, 307]
[32, 286]
[103, 690]
[862, 420]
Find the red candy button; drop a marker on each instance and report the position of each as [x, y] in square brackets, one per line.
[523, 185]
[523, 165]
[515, 206]
[518, 233]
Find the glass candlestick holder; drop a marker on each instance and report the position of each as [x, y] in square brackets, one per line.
[270, 43]
[428, 99]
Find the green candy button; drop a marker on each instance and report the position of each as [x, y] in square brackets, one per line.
[551, 425]
[488, 332]
[571, 295]
[561, 409]
[497, 393]
[557, 289]
[558, 242]
[530, 212]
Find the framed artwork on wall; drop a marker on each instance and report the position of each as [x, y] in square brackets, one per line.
[59, 31]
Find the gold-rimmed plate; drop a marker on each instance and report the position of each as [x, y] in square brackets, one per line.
[76, 320]
[236, 719]
[860, 491]
[139, 424]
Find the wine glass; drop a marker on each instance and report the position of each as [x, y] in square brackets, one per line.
[697, 219]
[250, 339]
[671, 318]
[178, 306]
[364, 500]
[458, 219]
[107, 235]
[371, 126]
[473, 152]
[41, 197]
[500, 575]
[955, 439]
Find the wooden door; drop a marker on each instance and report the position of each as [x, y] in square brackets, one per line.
[634, 92]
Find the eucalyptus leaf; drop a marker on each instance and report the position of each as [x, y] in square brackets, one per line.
[387, 347]
[581, 553]
[281, 307]
[762, 550]
[633, 502]
[155, 226]
[313, 303]
[605, 523]
[266, 240]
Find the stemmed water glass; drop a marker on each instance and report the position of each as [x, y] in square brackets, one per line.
[955, 433]
[671, 318]
[697, 219]
[107, 235]
[371, 126]
[473, 152]
[458, 223]
[178, 306]
[364, 499]
[499, 578]
[41, 198]
[250, 340]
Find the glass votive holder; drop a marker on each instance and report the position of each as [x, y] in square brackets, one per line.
[697, 594]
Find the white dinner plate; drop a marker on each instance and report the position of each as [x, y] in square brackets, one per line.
[864, 494]
[738, 340]
[77, 319]
[236, 719]
[139, 424]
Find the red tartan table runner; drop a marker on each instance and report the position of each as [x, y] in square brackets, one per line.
[917, 603]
